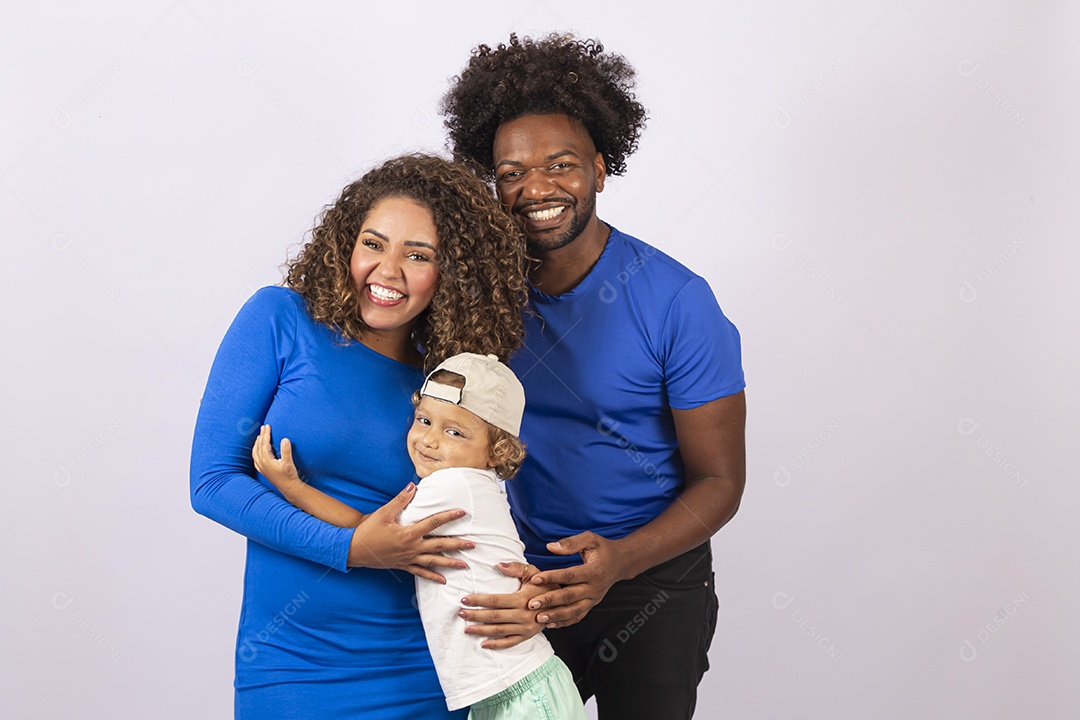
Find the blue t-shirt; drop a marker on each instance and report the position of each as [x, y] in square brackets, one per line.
[602, 367]
[314, 640]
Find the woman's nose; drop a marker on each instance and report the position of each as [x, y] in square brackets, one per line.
[389, 267]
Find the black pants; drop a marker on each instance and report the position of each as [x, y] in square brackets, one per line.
[643, 650]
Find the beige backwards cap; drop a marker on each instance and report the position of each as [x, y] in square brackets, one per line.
[492, 392]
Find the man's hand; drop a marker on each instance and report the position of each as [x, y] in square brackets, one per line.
[583, 586]
[506, 619]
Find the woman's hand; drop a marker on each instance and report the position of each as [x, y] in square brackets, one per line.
[381, 542]
[506, 619]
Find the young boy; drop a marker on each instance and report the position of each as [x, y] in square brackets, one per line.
[463, 440]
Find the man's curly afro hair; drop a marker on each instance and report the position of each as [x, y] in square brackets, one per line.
[558, 74]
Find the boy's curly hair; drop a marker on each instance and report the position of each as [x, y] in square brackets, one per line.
[558, 74]
[481, 292]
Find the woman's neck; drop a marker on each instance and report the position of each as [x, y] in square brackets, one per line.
[395, 346]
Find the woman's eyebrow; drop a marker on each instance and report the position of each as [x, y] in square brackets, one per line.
[409, 243]
[376, 233]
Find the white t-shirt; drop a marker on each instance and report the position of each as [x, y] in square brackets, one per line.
[467, 672]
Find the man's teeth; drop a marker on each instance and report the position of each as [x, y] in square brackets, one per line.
[545, 214]
[385, 293]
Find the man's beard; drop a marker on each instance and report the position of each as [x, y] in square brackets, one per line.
[581, 217]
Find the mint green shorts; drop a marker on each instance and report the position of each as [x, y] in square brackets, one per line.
[547, 693]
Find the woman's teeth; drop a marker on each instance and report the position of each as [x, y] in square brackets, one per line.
[385, 293]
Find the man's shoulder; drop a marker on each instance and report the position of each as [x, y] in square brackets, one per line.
[650, 259]
[645, 270]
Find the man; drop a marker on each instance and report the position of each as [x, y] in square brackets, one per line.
[635, 413]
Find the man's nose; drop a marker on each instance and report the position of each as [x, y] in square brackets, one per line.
[537, 184]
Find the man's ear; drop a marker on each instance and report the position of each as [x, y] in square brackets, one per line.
[601, 172]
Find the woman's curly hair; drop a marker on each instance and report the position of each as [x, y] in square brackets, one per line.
[558, 74]
[481, 293]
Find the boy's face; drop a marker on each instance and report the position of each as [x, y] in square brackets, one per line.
[444, 435]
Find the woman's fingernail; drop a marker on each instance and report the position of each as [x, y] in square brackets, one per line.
[534, 605]
[543, 618]
[410, 487]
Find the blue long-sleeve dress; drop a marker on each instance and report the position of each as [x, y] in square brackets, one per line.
[316, 640]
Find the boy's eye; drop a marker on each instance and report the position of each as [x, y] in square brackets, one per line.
[455, 433]
[423, 421]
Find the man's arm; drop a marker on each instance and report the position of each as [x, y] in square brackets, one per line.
[712, 442]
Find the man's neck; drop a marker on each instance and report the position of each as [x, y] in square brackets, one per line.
[559, 271]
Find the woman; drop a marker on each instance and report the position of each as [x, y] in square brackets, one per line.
[413, 263]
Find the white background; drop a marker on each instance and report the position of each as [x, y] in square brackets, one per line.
[883, 195]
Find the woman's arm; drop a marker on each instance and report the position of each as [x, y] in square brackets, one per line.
[282, 474]
[242, 384]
